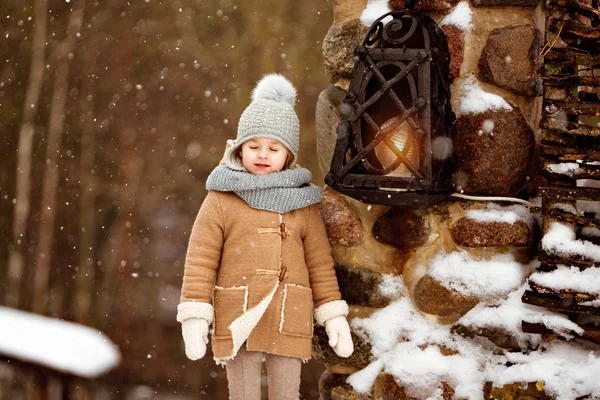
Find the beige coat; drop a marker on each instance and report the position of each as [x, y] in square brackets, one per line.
[265, 273]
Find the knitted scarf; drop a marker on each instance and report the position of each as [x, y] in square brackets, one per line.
[279, 192]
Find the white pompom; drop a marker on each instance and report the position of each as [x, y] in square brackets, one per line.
[275, 87]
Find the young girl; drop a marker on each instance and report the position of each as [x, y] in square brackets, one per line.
[259, 251]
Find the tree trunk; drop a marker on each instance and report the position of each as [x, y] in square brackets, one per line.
[86, 273]
[50, 178]
[23, 181]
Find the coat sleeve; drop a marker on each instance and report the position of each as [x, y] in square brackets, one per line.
[323, 282]
[202, 261]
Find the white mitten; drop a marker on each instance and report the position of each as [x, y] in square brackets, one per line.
[195, 337]
[338, 331]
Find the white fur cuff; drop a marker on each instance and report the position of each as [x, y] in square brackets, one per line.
[330, 310]
[190, 309]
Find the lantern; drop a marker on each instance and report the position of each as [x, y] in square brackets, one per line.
[394, 141]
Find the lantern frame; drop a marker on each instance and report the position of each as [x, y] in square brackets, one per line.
[401, 75]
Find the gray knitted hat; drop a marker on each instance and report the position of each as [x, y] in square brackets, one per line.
[270, 114]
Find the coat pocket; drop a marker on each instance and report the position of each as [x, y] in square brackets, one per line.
[297, 311]
[230, 303]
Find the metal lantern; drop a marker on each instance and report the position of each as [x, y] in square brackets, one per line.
[394, 142]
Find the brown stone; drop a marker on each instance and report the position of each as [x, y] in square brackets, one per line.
[342, 225]
[338, 48]
[456, 47]
[507, 59]
[504, 3]
[327, 118]
[515, 391]
[321, 351]
[360, 286]
[433, 298]
[424, 5]
[401, 227]
[386, 388]
[471, 233]
[495, 162]
[334, 387]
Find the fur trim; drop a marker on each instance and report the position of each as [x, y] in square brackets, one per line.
[330, 310]
[275, 87]
[242, 326]
[191, 309]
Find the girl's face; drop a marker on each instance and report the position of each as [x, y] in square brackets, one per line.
[262, 156]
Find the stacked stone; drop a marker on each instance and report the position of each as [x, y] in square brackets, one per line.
[369, 241]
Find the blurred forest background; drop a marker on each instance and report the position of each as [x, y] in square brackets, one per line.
[112, 114]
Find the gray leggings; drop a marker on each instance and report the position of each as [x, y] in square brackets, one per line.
[243, 376]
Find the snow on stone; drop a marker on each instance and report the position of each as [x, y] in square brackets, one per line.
[590, 303]
[475, 100]
[483, 279]
[374, 10]
[590, 231]
[496, 213]
[566, 207]
[587, 205]
[560, 240]
[570, 278]
[59, 345]
[508, 316]
[407, 345]
[392, 286]
[564, 168]
[568, 371]
[461, 17]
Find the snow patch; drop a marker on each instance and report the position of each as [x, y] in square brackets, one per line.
[374, 10]
[475, 100]
[564, 168]
[570, 278]
[461, 17]
[496, 213]
[560, 240]
[59, 345]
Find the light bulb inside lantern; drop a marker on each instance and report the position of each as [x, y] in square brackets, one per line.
[399, 138]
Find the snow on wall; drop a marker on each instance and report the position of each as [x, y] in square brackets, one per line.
[461, 17]
[63, 346]
[560, 240]
[475, 100]
[570, 278]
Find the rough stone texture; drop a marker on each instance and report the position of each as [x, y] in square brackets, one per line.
[401, 227]
[338, 48]
[334, 387]
[508, 58]
[470, 233]
[344, 9]
[327, 118]
[342, 225]
[495, 162]
[386, 388]
[424, 5]
[433, 298]
[360, 286]
[515, 391]
[499, 337]
[322, 352]
[501, 3]
[456, 46]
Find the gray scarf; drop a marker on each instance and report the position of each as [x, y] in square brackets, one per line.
[279, 192]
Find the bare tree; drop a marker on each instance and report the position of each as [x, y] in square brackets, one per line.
[64, 55]
[23, 181]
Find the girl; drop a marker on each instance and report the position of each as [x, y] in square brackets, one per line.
[259, 251]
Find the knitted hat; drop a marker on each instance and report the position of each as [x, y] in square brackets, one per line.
[271, 115]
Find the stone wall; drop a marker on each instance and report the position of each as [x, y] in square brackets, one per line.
[494, 52]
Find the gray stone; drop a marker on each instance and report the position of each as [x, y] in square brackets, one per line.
[321, 351]
[338, 48]
[327, 118]
[508, 59]
[401, 227]
[494, 152]
[360, 286]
